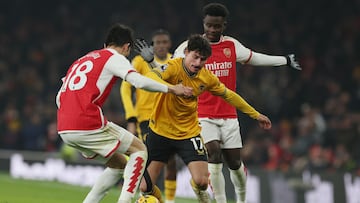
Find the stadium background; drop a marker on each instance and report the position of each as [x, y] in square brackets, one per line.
[315, 112]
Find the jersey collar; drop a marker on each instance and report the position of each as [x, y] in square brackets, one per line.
[191, 75]
[218, 42]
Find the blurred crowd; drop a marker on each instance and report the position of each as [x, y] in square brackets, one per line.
[315, 112]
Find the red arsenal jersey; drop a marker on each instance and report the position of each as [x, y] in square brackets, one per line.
[222, 63]
[85, 87]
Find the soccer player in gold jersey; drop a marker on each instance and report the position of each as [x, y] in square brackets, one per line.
[174, 124]
[138, 114]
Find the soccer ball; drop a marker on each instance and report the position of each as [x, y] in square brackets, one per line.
[147, 199]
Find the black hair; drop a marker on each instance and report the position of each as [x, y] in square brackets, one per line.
[198, 43]
[119, 35]
[215, 9]
[160, 32]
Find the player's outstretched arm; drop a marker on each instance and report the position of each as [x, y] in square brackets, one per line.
[260, 59]
[237, 101]
[156, 84]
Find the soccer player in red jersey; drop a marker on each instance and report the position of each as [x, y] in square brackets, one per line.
[82, 125]
[219, 120]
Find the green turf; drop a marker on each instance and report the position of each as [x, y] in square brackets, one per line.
[28, 191]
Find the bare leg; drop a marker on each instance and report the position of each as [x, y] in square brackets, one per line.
[200, 180]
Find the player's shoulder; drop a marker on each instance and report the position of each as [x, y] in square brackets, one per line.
[139, 63]
[233, 42]
[175, 61]
[163, 61]
[179, 51]
[205, 71]
[173, 65]
[95, 54]
[229, 38]
[113, 54]
[183, 44]
[138, 59]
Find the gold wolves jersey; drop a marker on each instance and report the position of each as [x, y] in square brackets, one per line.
[144, 99]
[176, 117]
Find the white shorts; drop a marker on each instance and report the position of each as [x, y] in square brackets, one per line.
[227, 131]
[112, 138]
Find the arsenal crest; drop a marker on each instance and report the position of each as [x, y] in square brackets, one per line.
[227, 52]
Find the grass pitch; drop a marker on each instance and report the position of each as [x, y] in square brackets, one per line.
[30, 191]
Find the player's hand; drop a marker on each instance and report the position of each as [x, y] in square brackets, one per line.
[181, 90]
[292, 62]
[144, 49]
[264, 122]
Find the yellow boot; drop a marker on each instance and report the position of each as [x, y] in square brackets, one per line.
[201, 194]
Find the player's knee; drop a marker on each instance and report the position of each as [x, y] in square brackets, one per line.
[234, 164]
[117, 161]
[201, 182]
[214, 152]
[138, 145]
[215, 156]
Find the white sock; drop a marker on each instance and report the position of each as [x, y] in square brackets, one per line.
[104, 182]
[217, 182]
[238, 178]
[133, 173]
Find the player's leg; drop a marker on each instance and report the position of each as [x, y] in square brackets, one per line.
[153, 171]
[238, 173]
[193, 153]
[211, 134]
[200, 180]
[134, 169]
[107, 146]
[107, 179]
[231, 153]
[170, 180]
[86, 143]
[152, 189]
[159, 149]
[216, 176]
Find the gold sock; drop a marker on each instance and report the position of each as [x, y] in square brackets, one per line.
[170, 189]
[157, 193]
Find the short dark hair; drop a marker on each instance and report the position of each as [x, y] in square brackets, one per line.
[160, 32]
[119, 35]
[215, 9]
[198, 43]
